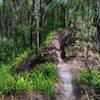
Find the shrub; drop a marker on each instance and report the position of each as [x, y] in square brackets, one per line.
[8, 50]
[89, 77]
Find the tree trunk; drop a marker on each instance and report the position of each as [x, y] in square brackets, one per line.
[33, 24]
[41, 20]
[37, 17]
[96, 7]
[63, 14]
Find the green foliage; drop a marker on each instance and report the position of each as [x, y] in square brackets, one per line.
[7, 81]
[20, 58]
[76, 13]
[8, 50]
[49, 38]
[23, 32]
[89, 77]
[23, 84]
[6, 47]
[48, 70]
[40, 79]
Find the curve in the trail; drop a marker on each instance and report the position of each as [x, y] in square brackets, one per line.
[65, 87]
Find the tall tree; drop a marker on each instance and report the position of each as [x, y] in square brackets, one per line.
[96, 7]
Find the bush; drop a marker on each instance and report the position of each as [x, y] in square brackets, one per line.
[89, 77]
[8, 50]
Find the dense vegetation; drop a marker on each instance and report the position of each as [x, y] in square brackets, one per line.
[41, 79]
[89, 82]
[28, 26]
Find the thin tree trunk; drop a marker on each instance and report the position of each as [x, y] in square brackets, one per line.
[63, 17]
[33, 24]
[37, 17]
[41, 20]
[96, 7]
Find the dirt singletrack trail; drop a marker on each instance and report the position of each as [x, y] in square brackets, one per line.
[65, 87]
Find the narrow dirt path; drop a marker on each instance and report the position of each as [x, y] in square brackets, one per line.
[65, 87]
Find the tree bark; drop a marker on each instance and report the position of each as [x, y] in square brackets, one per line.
[37, 17]
[96, 7]
[33, 24]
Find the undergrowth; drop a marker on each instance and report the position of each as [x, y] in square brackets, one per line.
[89, 77]
[39, 79]
[20, 58]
